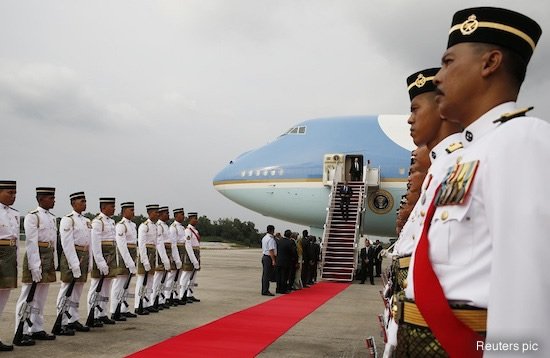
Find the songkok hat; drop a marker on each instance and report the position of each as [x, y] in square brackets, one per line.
[497, 26]
[78, 195]
[191, 214]
[163, 208]
[106, 200]
[7, 184]
[45, 191]
[177, 211]
[421, 82]
[128, 204]
[152, 207]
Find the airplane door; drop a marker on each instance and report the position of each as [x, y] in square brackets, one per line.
[353, 171]
[333, 168]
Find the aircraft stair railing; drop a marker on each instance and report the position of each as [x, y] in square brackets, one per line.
[328, 219]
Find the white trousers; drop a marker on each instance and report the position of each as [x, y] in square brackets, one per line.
[185, 276]
[148, 294]
[37, 318]
[4, 296]
[73, 305]
[105, 291]
[116, 291]
[169, 283]
[156, 286]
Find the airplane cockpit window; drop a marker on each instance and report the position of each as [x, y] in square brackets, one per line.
[295, 130]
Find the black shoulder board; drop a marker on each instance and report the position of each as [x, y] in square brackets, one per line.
[13, 209]
[34, 211]
[511, 115]
[70, 215]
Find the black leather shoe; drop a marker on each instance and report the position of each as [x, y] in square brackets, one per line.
[106, 320]
[152, 309]
[166, 305]
[194, 299]
[120, 318]
[129, 315]
[42, 336]
[267, 294]
[65, 331]
[5, 347]
[79, 327]
[189, 300]
[97, 323]
[143, 312]
[182, 302]
[26, 341]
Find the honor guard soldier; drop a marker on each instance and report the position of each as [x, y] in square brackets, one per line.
[75, 231]
[126, 241]
[473, 291]
[9, 244]
[38, 265]
[191, 264]
[147, 240]
[177, 236]
[164, 251]
[104, 261]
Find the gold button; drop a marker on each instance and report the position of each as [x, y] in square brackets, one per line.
[423, 213]
[405, 283]
[444, 215]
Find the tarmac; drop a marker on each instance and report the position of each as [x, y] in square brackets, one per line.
[229, 281]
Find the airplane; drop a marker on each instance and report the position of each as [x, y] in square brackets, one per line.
[291, 178]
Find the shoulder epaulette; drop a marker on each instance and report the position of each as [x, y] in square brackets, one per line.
[100, 219]
[34, 211]
[511, 115]
[13, 209]
[453, 147]
[70, 215]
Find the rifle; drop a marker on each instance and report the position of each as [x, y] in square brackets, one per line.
[371, 346]
[122, 298]
[142, 293]
[184, 298]
[160, 290]
[94, 303]
[25, 314]
[174, 288]
[63, 308]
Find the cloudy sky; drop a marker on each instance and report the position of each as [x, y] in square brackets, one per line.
[148, 100]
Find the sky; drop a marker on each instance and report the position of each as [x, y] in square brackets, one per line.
[147, 100]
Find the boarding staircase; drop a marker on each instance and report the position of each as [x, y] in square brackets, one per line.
[340, 237]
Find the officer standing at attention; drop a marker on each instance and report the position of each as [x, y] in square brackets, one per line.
[191, 265]
[104, 262]
[126, 243]
[147, 247]
[175, 255]
[464, 259]
[39, 263]
[75, 231]
[9, 245]
[164, 251]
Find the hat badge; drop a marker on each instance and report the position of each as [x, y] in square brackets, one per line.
[420, 81]
[469, 26]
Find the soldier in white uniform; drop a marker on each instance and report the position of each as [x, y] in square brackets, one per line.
[104, 259]
[75, 231]
[164, 251]
[147, 247]
[39, 263]
[177, 244]
[9, 245]
[492, 198]
[126, 241]
[191, 264]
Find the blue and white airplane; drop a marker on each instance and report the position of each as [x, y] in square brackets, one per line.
[291, 178]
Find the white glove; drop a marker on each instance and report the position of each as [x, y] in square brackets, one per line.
[178, 265]
[147, 267]
[76, 272]
[104, 269]
[132, 269]
[36, 274]
[196, 266]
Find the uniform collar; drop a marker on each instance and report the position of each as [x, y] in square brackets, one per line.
[42, 210]
[484, 124]
[439, 151]
[160, 222]
[105, 216]
[76, 214]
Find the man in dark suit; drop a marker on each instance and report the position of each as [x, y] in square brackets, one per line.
[378, 257]
[345, 192]
[284, 259]
[367, 261]
[356, 170]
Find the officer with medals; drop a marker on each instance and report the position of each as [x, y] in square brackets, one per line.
[75, 232]
[39, 264]
[147, 247]
[9, 245]
[126, 242]
[164, 251]
[104, 259]
[177, 233]
[465, 273]
[191, 264]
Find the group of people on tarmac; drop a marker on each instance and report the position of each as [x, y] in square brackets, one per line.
[452, 288]
[289, 260]
[164, 257]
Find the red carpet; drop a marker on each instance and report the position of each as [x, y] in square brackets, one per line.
[248, 332]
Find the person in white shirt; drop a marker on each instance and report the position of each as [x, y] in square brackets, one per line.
[164, 252]
[147, 247]
[191, 264]
[177, 235]
[269, 254]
